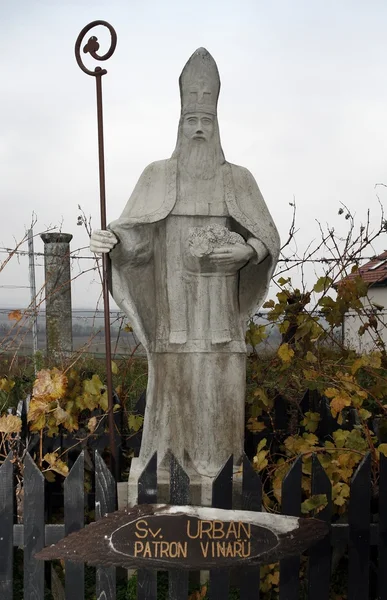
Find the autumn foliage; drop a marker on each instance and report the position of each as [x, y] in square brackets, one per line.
[314, 359]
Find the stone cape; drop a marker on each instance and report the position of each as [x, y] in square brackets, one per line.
[196, 387]
[152, 200]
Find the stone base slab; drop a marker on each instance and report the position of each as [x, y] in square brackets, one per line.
[200, 487]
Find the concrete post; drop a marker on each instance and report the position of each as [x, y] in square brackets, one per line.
[59, 335]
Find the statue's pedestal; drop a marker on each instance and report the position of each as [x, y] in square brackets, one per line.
[200, 487]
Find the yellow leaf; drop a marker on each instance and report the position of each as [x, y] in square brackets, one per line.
[104, 400]
[94, 394]
[269, 304]
[92, 424]
[50, 384]
[282, 297]
[329, 445]
[261, 394]
[38, 423]
[299, 445]
[310, 357]
[340, 437]
[373, 360]
[60, 415]
[135, 422]
[285, 353]
[340, 399]
[6, 385]
[315, 503]
[255, 334]
[339, 402]
[383, 449]
[311, 421]
[261, 444]
[356, 441]
[310, 438]
[51, 425]
[344, 459]
[254, 425]
[260, 461]
[88, 401]
[284, 326]
[275, 577]
[322, 284]
[365, 414]
[37, 409]
[50, 457]
[56, 464]
[340, 493]
[94, 385]
[10, 424]
[60, 467]
[277, 487]
[114, 368]
[283, 281]
[69, 406]
[72, 423]
[15, 315]
[357, 364]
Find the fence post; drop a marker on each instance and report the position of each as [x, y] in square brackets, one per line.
[179, 495]
[105, 502]
[74, 507]
[359, 515]
[59, 337]
[382, 546]
[147, 494]
[251, 500]
[319, 574]
[6, 528]
[34, 530]
[289, 588]
[222, 498]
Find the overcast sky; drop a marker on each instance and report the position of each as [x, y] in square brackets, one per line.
[303, 106]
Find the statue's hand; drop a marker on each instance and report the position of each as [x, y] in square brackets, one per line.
[102, 241]
[232, 254]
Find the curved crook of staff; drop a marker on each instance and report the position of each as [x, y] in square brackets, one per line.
[92, 47]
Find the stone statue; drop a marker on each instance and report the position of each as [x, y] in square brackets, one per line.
[191, 259]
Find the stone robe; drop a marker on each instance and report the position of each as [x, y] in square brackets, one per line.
[190, 314]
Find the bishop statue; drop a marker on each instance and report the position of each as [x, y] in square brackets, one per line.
[191, 260]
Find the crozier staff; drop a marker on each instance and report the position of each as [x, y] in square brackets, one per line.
[191, 259]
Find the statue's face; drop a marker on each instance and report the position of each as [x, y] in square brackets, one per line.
[198, 126]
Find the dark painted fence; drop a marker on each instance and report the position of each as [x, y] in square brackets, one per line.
[359, 535]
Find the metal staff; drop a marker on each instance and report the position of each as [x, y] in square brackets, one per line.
[92, 48]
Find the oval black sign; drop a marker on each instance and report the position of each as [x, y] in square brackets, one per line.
[191, 541]
[186, 537]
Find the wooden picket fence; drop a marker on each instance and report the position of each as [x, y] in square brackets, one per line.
[360, 536]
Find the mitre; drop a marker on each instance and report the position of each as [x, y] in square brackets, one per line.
[199, 84]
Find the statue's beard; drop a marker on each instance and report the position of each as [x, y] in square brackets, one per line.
[199, 158]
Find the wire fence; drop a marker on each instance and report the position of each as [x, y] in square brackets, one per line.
[74, 256]
[87, 324]
[89, 338]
